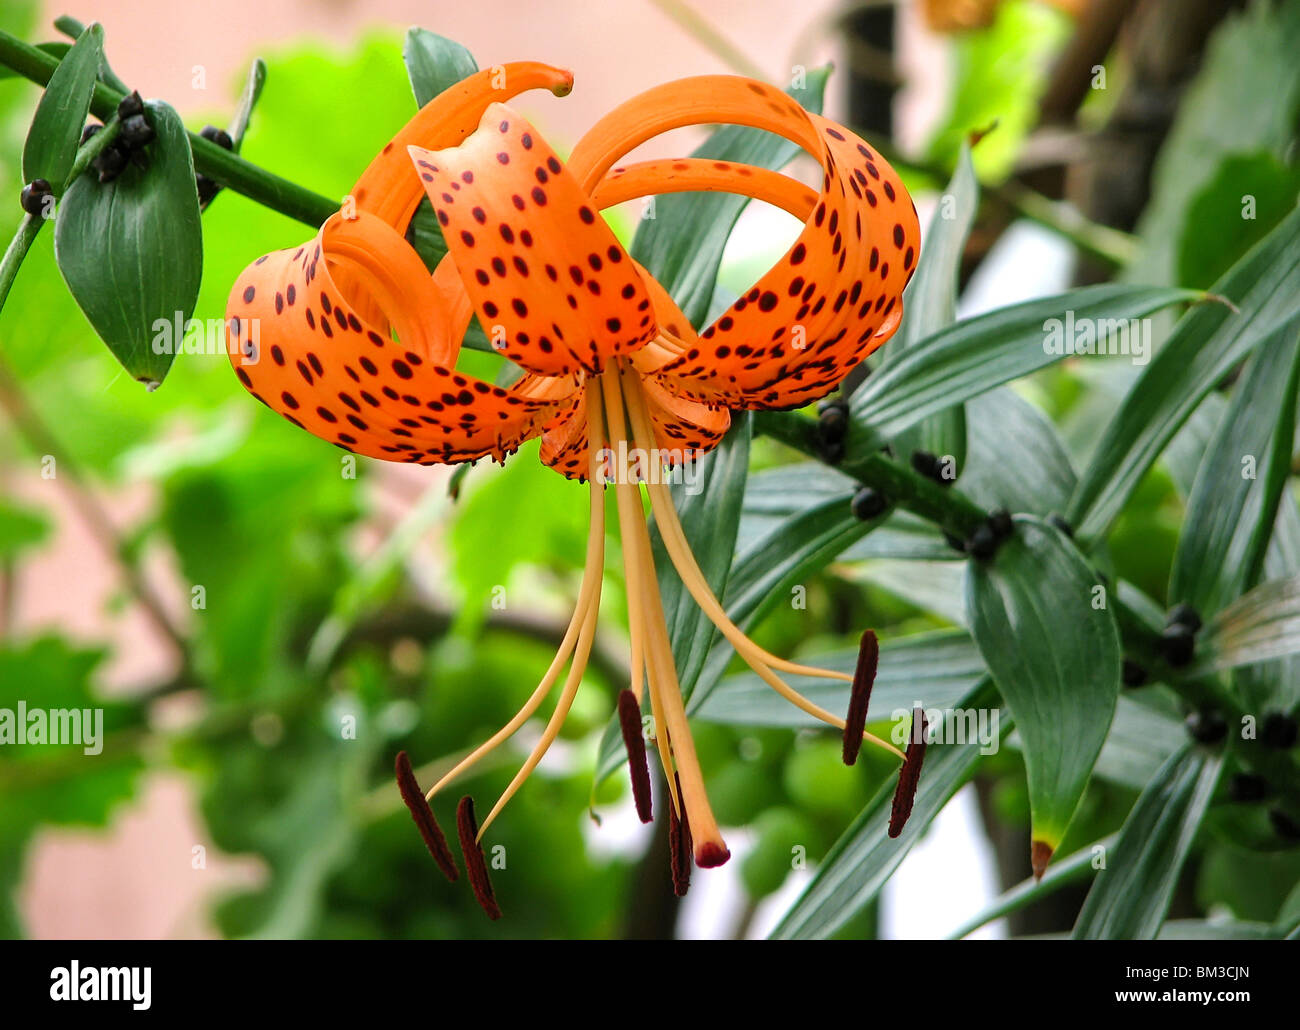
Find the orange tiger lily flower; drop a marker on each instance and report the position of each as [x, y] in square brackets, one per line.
[350, 337]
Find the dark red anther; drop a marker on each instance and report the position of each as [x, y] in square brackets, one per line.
[475, 863]
[629, 717]
[864, 676]
[424, 819]
[680, 845]
[909, 775]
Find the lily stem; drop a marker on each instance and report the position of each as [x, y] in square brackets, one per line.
[945, 506]
[215, 162]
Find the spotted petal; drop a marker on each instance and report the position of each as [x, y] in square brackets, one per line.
[554, 289]
[836, 294]
[299, 344]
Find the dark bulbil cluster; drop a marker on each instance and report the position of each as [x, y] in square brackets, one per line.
[832, 427]
[932, 467]
[868, 503]
[1178, 639]
[208, 188]
[35, 196]
[1207, 726]
[984, 540]
[133, 135]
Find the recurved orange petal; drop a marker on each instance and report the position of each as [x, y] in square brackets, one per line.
[834, 297]
[387, 189]
[299, 344]
[554, 290]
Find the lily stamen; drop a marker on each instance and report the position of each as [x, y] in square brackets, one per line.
[475, 862]
[432, 833]
[864, 678]
[909, 775]
[679, 550]
[629, 717]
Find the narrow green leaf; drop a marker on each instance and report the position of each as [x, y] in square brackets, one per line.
[1130, 897]
[20, 528]
[933, 586]
[1055, 656]
[980, 353]
[131, 251]
[1207, 342]
[434, 63]
[930, 304]
[940, 668]
[1075, 868]
[72, 28]
[1232, 508]
[51, 146]
[1017, 460]
[1141, 738]
[682, 244]
[1259, 626]
[865, 857]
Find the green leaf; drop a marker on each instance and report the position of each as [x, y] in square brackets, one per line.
[1207, 342]
[682, 244]
[248, 98]
[1130, 897]
[1016, 460]
[1249, 55]
[1218, 229]
[1056, 660]
[980, 353]
[997, 75]
[434, 63]
[1075, 868]
[1141, 738]
[1230, 515]
[1259, 626]
[930, 304]
[131, 251]
[865, 857]
[941, 668]
[60, 116]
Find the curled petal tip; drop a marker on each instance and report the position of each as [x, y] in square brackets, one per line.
[564, 86]
[1040, 853]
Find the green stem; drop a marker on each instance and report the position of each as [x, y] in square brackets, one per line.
[948, 508]
[91, 150]
[215, 162]
[17, 253]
